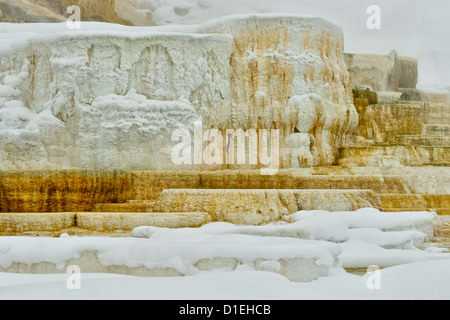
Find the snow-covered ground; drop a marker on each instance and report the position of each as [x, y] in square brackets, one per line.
[225, 261]
[427, 280]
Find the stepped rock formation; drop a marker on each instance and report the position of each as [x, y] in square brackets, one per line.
[86, 123]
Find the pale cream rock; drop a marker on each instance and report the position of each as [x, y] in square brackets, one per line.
[256, 207]
[289, 73]
[297, 151]
[20, 11]
[437, 130]
[370, 70]
[118, 221]
[138, 13]
[393, 155]
[382, 73]
[149, 185]
[417, 180]
[17, 223]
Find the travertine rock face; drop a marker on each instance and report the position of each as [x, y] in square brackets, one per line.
[289, 74]
[383, 121]
[382, 73]
[112, 101]
[150, 185]
[407, 74]
[27, 222]
[256, 207]
[400, 134]
[118, 221]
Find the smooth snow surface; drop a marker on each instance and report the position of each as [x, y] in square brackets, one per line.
[226, 261]
[427, 280]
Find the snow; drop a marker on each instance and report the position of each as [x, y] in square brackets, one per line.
[310, 230]
[148, 116]
[353, 240]
[387, 240]
[417, 281]
[14, 115]
[361, 254]
[365, 237]
[180, 254]
[315, 234]
[373, 218]
[43, 119]
[371, 225]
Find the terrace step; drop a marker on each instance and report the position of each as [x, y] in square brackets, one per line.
[421, 140]
[414, 201]
[148, 186]
[22, 223]
[141, 206]
[439, 211]
[121, 221]
[406, 155]
[260, 206]
[438, 164]
[86, 223]
[436, 129]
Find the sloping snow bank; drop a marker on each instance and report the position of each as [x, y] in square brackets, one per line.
[296, 259]
[416, 281]
[366, 237]
[373, 218]
[302, 251]
[371, 225]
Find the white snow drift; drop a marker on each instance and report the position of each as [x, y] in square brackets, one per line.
[301, 251]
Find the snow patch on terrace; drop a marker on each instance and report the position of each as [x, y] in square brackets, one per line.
[303, 251]
[365, 237]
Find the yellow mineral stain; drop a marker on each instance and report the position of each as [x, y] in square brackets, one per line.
[61, 191]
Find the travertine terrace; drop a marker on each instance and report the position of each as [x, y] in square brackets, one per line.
[86, 123]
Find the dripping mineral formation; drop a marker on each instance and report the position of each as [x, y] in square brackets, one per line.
[87, 117]
[100, 101]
